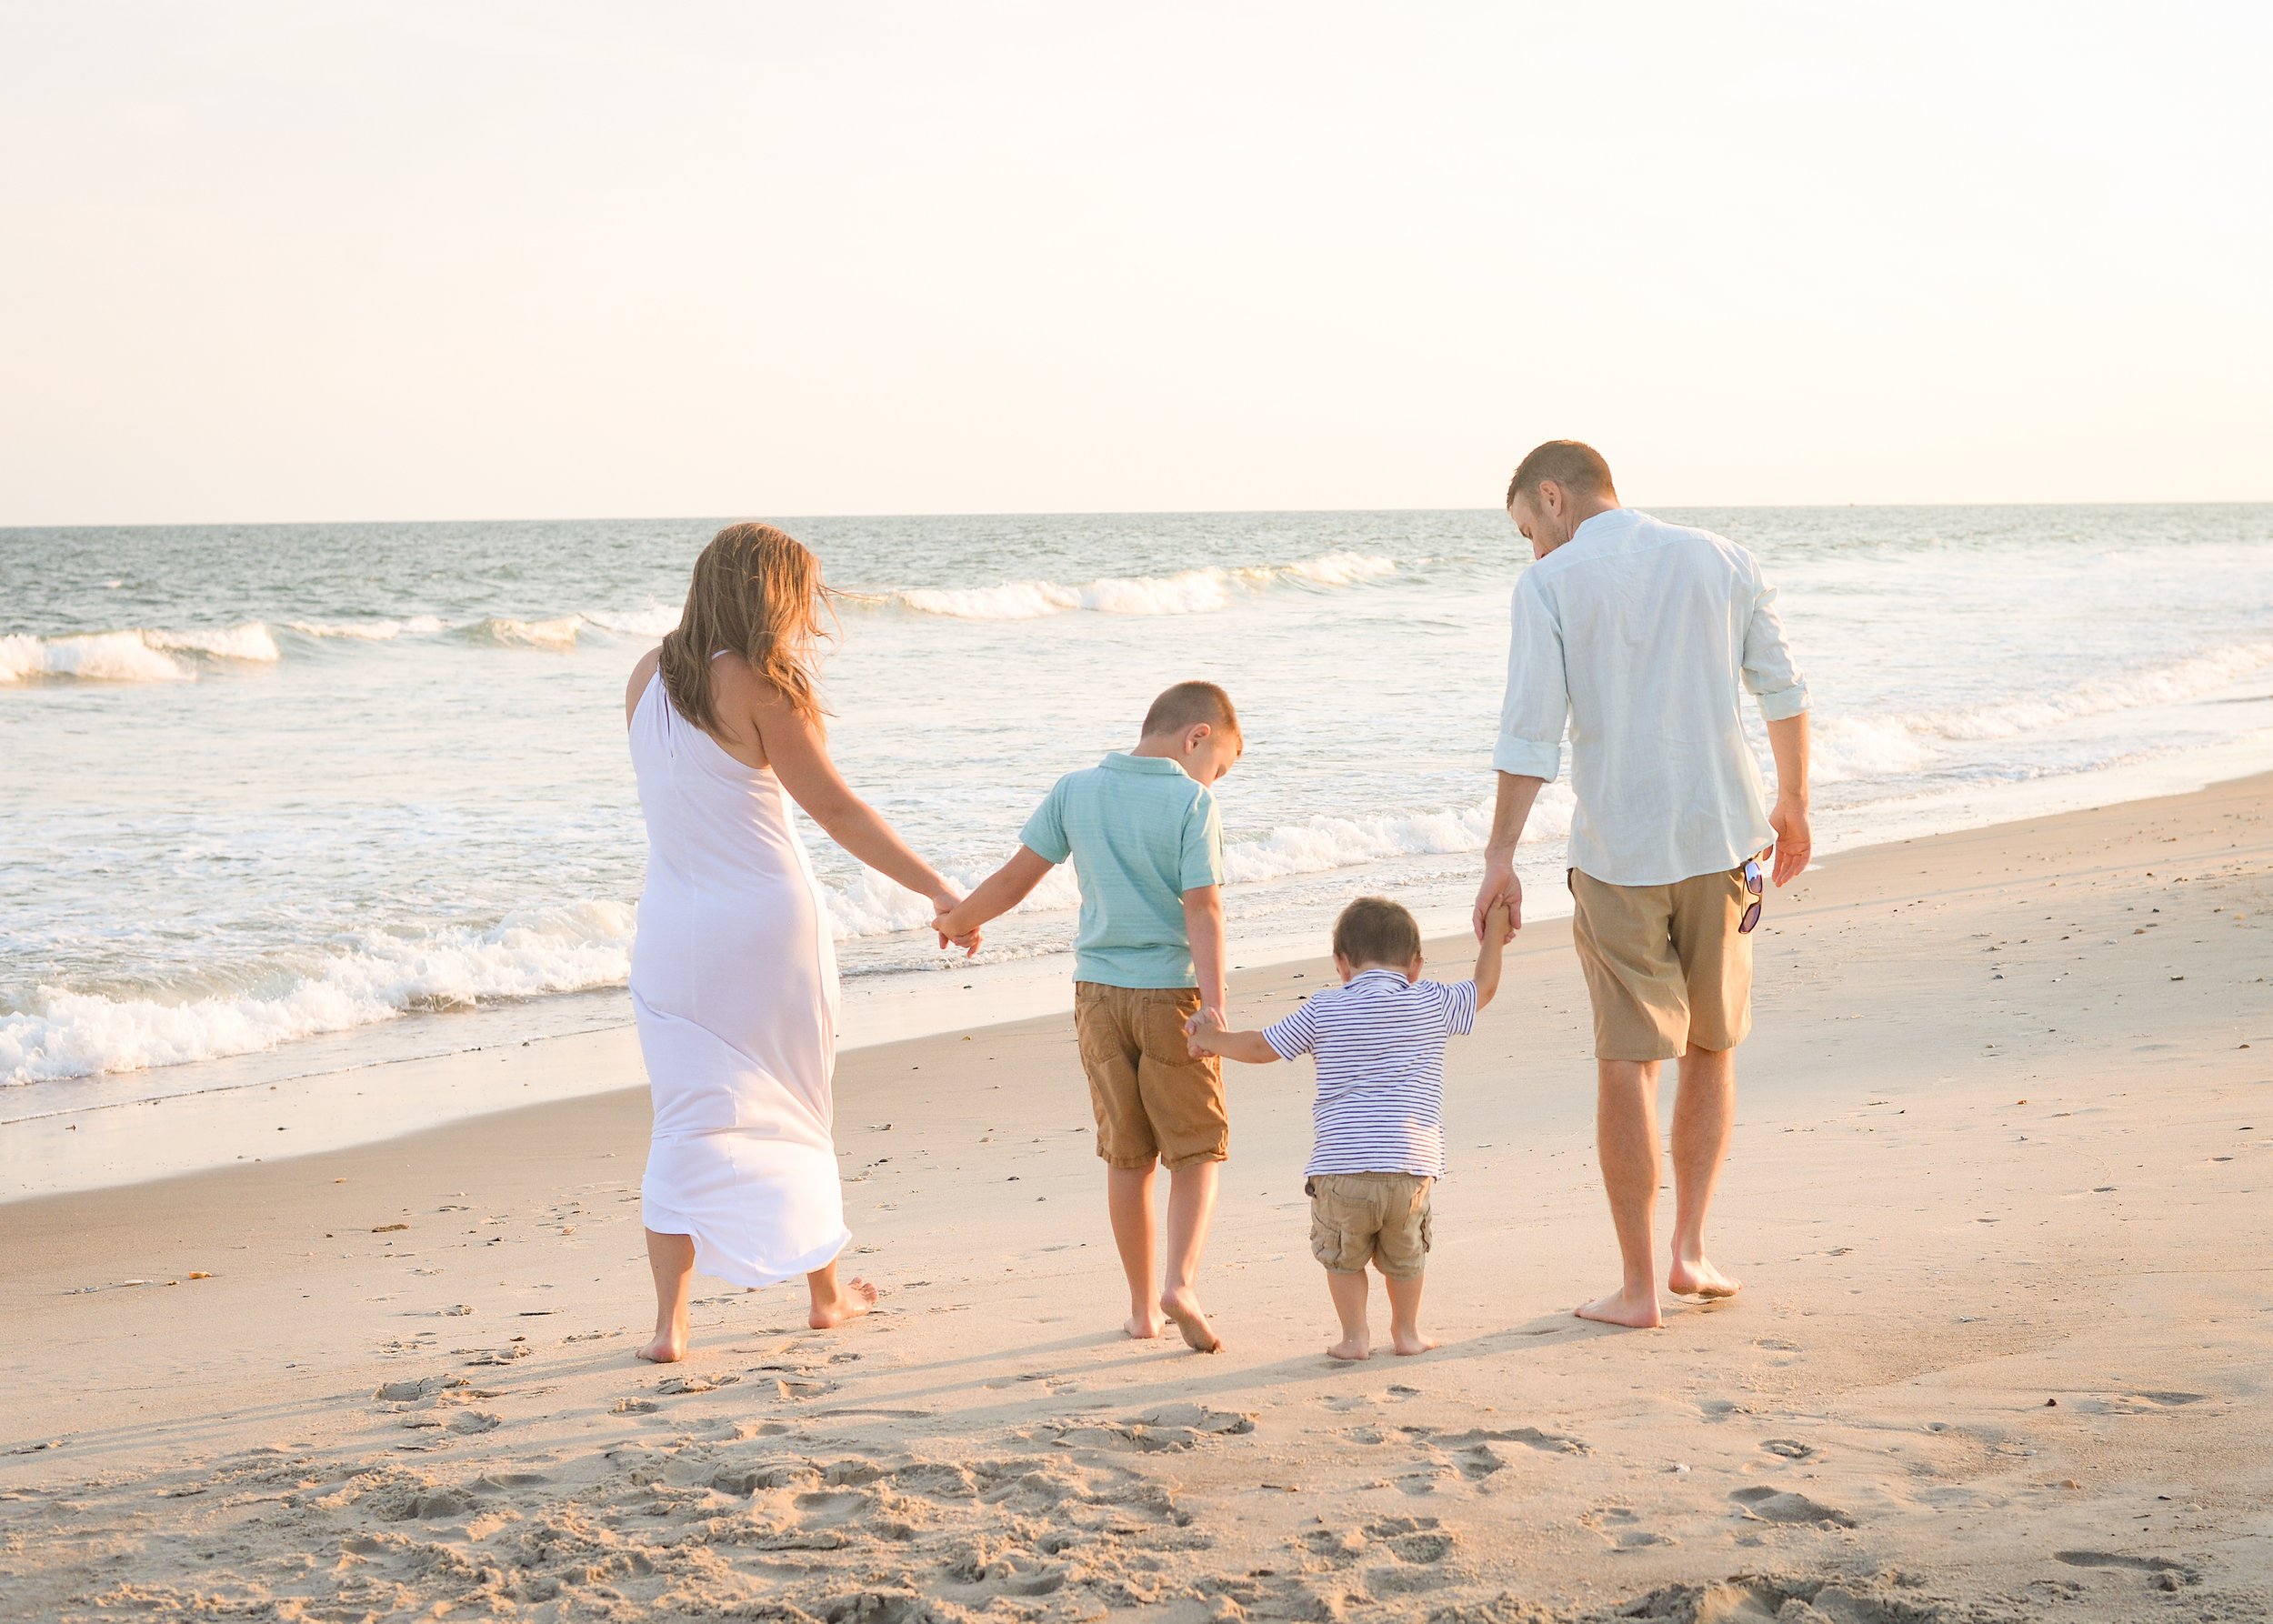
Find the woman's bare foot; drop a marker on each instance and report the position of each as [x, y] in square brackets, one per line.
[669, 1347]
[1144, 1327]
[835, 1303]
[1359, 1346]
[1409, 1343]
[1699, 1279]
[1627, 1307]
[1183, 1309]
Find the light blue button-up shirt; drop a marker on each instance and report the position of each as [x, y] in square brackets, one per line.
[1645, 636]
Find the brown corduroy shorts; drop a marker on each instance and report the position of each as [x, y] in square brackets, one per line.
[1151, 1097]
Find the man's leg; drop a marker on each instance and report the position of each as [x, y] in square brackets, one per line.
[1626, 1140]
[1191, 1205]
[1129, 1201]
[1704, 1117]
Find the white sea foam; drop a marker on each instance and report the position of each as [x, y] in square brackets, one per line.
[368, 631]
[1187, 592]
[1848, 747]
[138, 655]
[557, 633]
[568, 948]
[651, 622]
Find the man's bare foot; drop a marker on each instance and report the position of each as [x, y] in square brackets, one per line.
[855, 1298]
[1183, 1309]
[1622, 1308]
[1699, 1279]
[1409, 1345]
[1144, 1327]
[668, 1347]
[1359, 1346]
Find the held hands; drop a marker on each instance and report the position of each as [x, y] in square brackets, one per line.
[950, 929]
[1793, 842]
[1204, 1032]
[1498, 902]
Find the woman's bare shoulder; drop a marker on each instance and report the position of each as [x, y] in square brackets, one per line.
[642, 675]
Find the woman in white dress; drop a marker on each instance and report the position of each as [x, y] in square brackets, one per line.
[733, 974]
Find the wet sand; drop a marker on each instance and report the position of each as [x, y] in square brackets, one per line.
[2002, 1198]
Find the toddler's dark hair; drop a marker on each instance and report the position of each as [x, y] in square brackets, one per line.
[1376, 930]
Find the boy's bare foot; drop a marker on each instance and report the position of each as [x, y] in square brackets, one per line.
[1409, 1343]
[1183, 1309]
[668, 1347]
[1699, 1279]
[1633, 1310]
[1144, 1327]
[1359, 1346]
[855, 1298]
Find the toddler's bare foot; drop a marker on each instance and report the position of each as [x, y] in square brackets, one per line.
[1699, 1279]
[1359, 1346]
[1144, 1327]
[1621, 1307]
[1183, 1308]
[668, 1347]
[855, 1298]
[1409, 1343]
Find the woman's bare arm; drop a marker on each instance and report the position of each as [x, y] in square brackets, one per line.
[642, 675]
[799, 755]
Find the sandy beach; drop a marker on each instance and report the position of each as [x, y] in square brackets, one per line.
[2002, 1198]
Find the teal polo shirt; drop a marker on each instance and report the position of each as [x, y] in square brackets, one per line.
[1140, 833]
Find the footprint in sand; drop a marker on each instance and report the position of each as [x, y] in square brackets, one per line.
[1777, 1505]
[2166, 1574]
[1621, 1529]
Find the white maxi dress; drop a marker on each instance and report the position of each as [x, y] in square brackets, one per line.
[734, 985]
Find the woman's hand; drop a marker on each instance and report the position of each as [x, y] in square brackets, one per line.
[951, 931]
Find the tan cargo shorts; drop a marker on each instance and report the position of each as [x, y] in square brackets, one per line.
[1357, 1218]
[1666, 968]
[1151, 1097]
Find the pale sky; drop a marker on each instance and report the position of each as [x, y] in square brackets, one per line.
[460, 260]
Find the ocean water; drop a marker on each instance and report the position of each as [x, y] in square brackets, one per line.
[344, 791]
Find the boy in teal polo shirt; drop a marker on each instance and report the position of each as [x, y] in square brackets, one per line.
[1147, 843]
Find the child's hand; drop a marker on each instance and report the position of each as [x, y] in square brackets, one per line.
[1203, 1032]
[1499, 926]
[952, 932]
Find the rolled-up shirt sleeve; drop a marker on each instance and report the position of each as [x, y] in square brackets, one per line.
[1531, 718]
[1769, 671]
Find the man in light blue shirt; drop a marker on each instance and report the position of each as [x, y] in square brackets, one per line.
[1643, 637]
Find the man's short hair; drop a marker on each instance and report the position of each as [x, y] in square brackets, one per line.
[1187, 704]
[1572, 464]
[1376, 930]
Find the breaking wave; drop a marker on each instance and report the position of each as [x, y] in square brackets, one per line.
[134, 656]
[1187, 592]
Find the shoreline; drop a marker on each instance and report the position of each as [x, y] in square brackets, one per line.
[1998, 1196]
[186, 1129]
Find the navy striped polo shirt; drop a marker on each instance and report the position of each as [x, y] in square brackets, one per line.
[1379, 1043]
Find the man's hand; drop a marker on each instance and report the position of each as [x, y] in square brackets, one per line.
[1500, 886]
[1794, 843]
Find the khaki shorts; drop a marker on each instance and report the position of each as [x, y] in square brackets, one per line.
[1666, 969]
[1152, 1099]
[1357, 1218]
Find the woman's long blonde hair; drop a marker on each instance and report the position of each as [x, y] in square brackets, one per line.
[758, 591]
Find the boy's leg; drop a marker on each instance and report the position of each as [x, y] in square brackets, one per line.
[1129, 1201]
[835, 1301]
[1191, 1207]
[671, 1259]
[1405, 1333]
[1348, 1292]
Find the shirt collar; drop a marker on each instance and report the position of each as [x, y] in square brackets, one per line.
[1121, 761]
[1615, 518]
[1373, 971]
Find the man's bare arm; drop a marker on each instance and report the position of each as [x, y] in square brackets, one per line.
[1510, 811]
[1787, 739]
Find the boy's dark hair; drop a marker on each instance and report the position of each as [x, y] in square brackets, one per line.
[1187, 704]
[1376, 930]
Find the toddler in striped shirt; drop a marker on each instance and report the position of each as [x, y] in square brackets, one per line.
[1379, 1040]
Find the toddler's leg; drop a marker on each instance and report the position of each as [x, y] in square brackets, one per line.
[1128, 1202]
[671, 1259]
[1404, 1334]
[1348, 1291]
[835, 1301]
